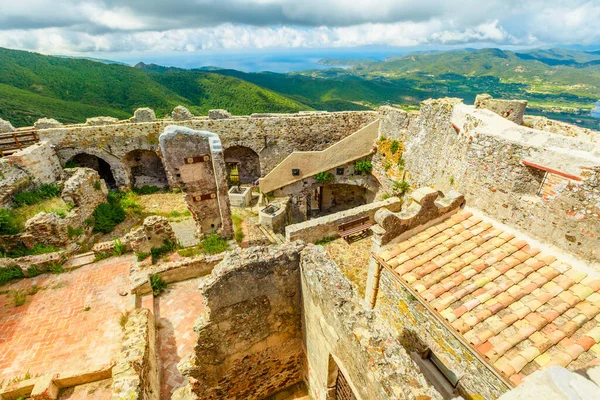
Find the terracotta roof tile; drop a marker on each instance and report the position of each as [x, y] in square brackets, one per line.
[520, 309]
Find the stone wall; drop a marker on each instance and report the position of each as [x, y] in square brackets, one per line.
[195, 160]
[454, 146]
[31, 166]
[249, 337]
[338, 328]
[135, 376]
[272, 137]
[561, 128]
[327, 226]
[512, 110]
[417, 329]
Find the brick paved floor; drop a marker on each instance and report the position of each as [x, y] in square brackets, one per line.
[53, 332]
[178, 309]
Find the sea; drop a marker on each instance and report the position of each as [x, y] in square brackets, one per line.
[596, 111]
[282, 61]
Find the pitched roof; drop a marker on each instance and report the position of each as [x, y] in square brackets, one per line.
[520, 309]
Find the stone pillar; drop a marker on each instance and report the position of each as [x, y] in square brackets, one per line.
[195, 160]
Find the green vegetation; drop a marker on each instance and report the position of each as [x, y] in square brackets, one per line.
[146, 189]
[34, 196]
[238, 233]
[9, 273]
[363, 166]
[324, 177]
[400, 188]
[214, 244]
[74, 232]
[8, 222]
[56, 268]
[142, 255]
[113, 212]
[157, 284]
[394, 146]
[119, 248]
[102, 255]
[22, 251]
[325, 240]
[123, 318]
[19, 297]
[166, 248]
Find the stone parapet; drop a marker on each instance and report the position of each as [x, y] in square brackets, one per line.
[318, 228]
[512, 110]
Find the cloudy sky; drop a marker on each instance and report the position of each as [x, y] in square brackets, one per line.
[161, 26]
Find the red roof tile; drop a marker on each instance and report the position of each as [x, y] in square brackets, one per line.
[519, 309]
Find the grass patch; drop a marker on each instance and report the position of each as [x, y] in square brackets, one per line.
[325, 240]
[165, 248]
[103, 255]
[34, 196]
[74, 232]
[9, 273]
[142, 255]
[56, 268]
[190, 252]
[214, 244]
[32, 271]
[400, 187]
[9, 224]
[146, 189]
[19, 297]
[22, 250]
[237, 224]
[158, 284]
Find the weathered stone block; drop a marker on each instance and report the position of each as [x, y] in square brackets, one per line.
[513, 110]
[47, 123]
[101, 121]
[6, 126]
[180, 113]
[219, 114]
[143, 115]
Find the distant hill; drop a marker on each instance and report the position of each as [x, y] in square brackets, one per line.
[563, 84]
[34, 86]
[345, 62]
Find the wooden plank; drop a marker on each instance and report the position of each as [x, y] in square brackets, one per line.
[197, 159]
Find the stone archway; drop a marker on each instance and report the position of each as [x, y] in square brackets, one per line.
[243, 164]
[145, 167]
[96, 163]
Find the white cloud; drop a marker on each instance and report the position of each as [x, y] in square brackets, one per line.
[79, 26]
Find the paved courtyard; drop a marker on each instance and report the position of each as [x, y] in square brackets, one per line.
[70, 324]
[178, 308]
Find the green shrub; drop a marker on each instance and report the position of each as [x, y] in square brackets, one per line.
[9, 273]
[129, 203]
[60, 213]
[165, 248]
[70, 164]
[363, 166]
[214, 244]
[324, 177]
[107, 216]
[146, 189]
[19, 297]
[97, 185]
[29, 197]
[401, 187]
[56, 268]
[74, 232]
[385, 196]
[8, 222]
[142, 255]
[119, 248]
[394, 146]
[157, 284]
[32, 271]
[239, 235]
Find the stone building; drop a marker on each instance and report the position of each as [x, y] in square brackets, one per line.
[475, 271]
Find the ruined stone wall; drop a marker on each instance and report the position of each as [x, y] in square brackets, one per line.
[318, 228]
[31, 166]
[337, 326]
[272, 137]
[417, 329]
[249, 339]
[561, 128]
[195, 160]
[482, 157]
[85, 191]
[135, 376]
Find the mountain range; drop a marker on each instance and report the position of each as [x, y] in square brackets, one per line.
[562, 83]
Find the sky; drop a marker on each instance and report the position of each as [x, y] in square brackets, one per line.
[162, 27]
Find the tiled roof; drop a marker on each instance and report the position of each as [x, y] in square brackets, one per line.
[519, 309]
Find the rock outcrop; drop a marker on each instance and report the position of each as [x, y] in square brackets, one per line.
[180, 113]
[144, 115]
[6, 126]
[47, 123]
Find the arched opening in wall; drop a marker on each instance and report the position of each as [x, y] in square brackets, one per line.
[329, 199]
[145, 168]
[243, 165]
[95, 163]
